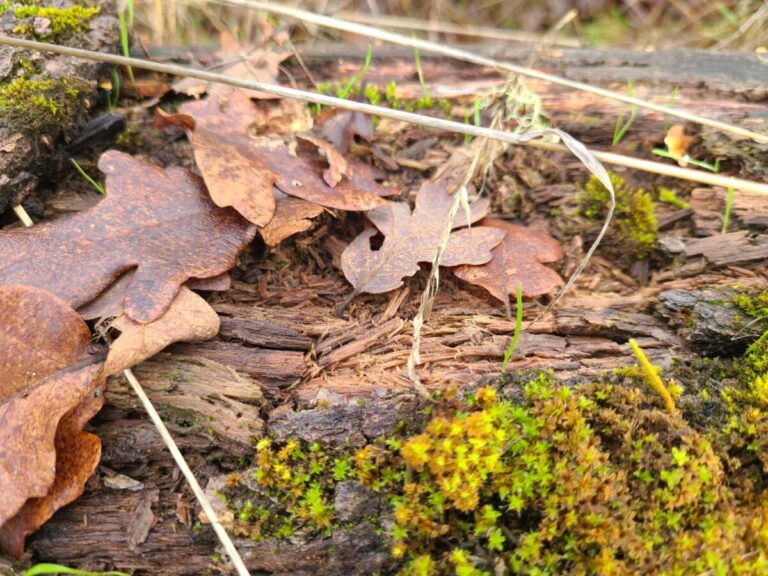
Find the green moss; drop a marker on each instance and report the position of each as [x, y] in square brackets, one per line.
[129, 138]
[597, 479]
[753, 305]
[39, 103]
[64, 21]
[635, 223]
[669, 196]
[752, 368]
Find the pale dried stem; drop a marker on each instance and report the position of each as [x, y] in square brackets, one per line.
[428, 121]
[451, 28]
[433, 281]
[224, 538]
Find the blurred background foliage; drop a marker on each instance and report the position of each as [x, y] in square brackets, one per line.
[641, 24]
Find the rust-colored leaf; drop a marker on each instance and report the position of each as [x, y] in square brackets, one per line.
[520, 258]
[293, 215]
[337, 164]
[413, 238]
[224, 154]
[29, 353]
[340, 127]
[157, 221]
[49, 388]
[110, 301]
[301, 176]
[188, 318]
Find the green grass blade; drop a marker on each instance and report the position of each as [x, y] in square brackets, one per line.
[99, 188]
[40, 569]
[427, 98]
[518, 327]
[728, 208]
[621, 128]
[348, 86]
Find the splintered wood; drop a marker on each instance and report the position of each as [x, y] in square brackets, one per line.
[306, 352]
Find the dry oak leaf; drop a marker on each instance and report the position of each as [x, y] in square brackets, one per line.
[293, 215]
[520, 258]
[218, 128]
[340, 127]
[49, 388]
[110, 302]
[413, 238]
[189, 318]
[241, 172]
[157, 221]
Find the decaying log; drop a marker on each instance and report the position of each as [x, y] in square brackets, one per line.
[200, 393]
[30, 150]
[730, 249]
[709, 321]
[708, 204]
[727, 72]
[705, 83]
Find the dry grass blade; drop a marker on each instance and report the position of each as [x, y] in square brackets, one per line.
[419, 119]
[484, 32]
[371, 32]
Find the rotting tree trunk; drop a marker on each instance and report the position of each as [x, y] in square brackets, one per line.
[731, 87]
[32, 134]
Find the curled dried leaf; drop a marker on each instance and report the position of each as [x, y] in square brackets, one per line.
[188, 318]
[50, 386]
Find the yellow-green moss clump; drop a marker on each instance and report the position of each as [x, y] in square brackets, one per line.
[635, 223]
[38, 104]
[597, 479]
[752, 367]
[64, 21]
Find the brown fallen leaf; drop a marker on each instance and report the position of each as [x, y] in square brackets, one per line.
[520, 258]
[413, 238]
[50, 386]
[293, 215]
[337, 164]
[110, 301]
[217, 127]
[241, 172]
[340, 127]
[220, 283]
[188, 318]
[159, 221]
[301, 175]
[29, 353]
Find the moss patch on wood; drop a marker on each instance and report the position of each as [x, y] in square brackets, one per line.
[39, 103]
[596, 479]
[634, 218]
[56, 24]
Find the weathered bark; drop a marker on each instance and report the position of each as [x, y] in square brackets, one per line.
[31, 150]
[727, 72]
[730, 87]
[709, 321]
